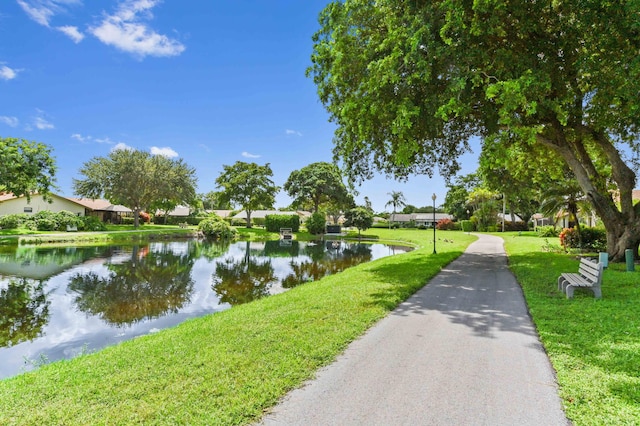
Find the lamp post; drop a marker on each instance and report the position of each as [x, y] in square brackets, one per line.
[469, 219]
[433, 197]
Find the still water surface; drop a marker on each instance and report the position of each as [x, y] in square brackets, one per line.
[56, 303]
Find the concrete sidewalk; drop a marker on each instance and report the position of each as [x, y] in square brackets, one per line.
[461, 351]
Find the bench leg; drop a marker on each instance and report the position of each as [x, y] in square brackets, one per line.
[597, 292]
[569, 290]
[560, 281]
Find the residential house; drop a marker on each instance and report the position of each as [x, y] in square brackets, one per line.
[107, 212]
[10, 204]
[419, 219]
[261, 214]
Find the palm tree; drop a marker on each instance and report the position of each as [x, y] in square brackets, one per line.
[397, 200]
[565, 196]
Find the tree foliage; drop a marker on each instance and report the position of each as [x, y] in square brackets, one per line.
[408, 83]
[249, 185]
[138, 180]
[360, 217]
[26, 167]
[317, 184]
[316, 223]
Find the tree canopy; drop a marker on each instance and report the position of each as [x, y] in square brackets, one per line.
[317, 184]
[249, 185]
[360, 217]
[138, 180]
[26, 167]
[408, 83]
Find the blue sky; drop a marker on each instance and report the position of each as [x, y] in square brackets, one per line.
[212, 82]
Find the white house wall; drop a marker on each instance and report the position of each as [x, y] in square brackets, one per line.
[17, 205]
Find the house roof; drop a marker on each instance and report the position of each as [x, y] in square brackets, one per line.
[179, 211]
[222, 213]
[118, 208]
[91, 204]
[403, 217]
[261, 214]
[429, 216]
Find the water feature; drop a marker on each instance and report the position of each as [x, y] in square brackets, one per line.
[57, 303]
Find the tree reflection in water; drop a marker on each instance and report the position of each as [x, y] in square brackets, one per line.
[151, 284]
[238, 281]
[24, 311]
[327, 258]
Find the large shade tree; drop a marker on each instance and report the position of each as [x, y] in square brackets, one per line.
[26, 167]
[248, 185]
[317, 184]
[138, 180]
[408, 83]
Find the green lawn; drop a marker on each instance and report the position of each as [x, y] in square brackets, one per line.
[594, 345]
[228, 367]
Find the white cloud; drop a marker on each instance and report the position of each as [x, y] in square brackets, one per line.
[125, 31]
[9, 121]
[7, 73]
[165, 152]
[81, 138]
[42, 124]
[105, 140]
[293, 132]
[72, 32]
[249, 155]
[121, 146]
[42, 11]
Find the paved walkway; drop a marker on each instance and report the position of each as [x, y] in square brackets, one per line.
[461, 351]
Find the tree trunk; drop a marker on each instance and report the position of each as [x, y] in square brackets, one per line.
[136, 217]
[248, 218]
[619, 239]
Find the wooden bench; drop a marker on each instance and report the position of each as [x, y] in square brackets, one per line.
[589, 276]
[183, 224]
[72, 228]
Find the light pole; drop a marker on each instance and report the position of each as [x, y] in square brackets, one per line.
[433, 197]
[468, 226]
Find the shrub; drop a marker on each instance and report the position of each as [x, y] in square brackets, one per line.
[273, 222]
[126, 220]
[92, 223]
[215, 227]
[45, 220]
[446, 225]
[467, 226]
[65, 218]
[13, 221]
[547, 231]
[316, 223]
[592, 239]
[568, 238]
[145, 217]
[515, 226]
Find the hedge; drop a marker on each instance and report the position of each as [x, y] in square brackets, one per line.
[273, 222]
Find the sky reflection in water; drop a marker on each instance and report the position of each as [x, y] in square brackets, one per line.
[57, 303]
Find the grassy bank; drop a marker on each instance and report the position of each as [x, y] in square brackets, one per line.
[594, 345]
[228, 367]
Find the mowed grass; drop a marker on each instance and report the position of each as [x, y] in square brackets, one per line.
[594, 345]
[227, 368]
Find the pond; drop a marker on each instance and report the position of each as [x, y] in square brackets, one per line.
[57, 303]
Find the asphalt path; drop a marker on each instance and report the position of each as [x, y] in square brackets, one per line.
[461, 351]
